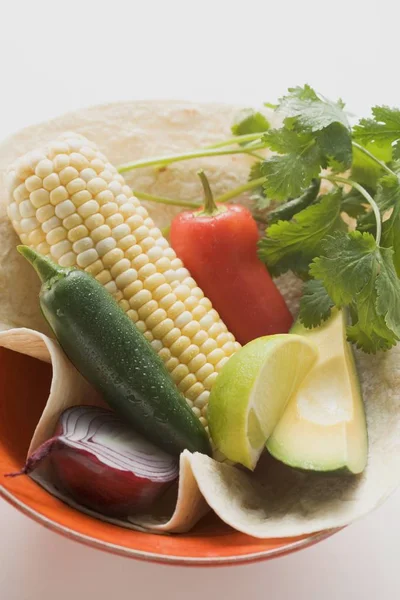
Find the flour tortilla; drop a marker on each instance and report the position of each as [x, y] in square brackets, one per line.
[275, 501]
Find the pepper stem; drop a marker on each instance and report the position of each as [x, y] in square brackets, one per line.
[210, 208]
[43, 266]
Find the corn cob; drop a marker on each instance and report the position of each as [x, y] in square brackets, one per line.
[69, 203]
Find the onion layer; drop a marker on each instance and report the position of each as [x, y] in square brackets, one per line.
[103, 464]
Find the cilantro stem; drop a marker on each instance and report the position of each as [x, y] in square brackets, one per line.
[196, 203]
[240, 189]
[237, 139]
[162, 200]
[374, 158]
[167, 160]
[367, 196]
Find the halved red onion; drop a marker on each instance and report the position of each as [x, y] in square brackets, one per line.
[104, 465]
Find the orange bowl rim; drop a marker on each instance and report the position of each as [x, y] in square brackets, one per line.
[161, 558]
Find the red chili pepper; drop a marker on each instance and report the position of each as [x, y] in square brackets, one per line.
[219, 247]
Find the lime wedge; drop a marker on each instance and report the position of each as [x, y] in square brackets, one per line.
[250, 394]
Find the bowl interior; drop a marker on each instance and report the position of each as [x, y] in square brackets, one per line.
[24, 387]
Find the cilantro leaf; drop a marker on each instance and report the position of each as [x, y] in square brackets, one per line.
[335, 144]
[384, 128]
[387, 196]
[258, 196]
[249, 121]
[298, 163]
[357, 273]
[364, 170]
[344, 265]
[391, 236]
[291, 245]
[311, 111]
[388, 290]
[302, 155]
[315, 304]
[354, 204]
[388, 192]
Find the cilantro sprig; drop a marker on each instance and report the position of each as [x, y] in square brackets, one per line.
[344, 242]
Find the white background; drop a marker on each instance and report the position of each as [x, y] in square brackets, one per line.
[56, 56]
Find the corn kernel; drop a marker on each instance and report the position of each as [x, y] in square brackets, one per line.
[140, 299]
[191, 329]
[112, 257]
[96, 185]
[94, 221]
[44, 213]
[141, 325]
[56, 235]
[76, 185]
[163, 264]
[43, 248]
[154, 253]
[80, 198]
[103, 277]
[171, 337]
[132, 314]
[146, 270]
[83, 244]
[78, 161]
[36, 237]
[77, 233]
[197, 362]
[132, 289]
[101, 233]
[191, 352]
[60, 248]
[187, 382]
[126, 277]
[183, 319]
[193, 392]
[67, 175]
[163, 328]
[179, 373]
[60, 162]
[181, 344]
[33, 183]
[138, 261]
[44, 168]
[210, 380]
[176, 309]
[87, 258]
[158, 316]
[109, 209]
[120, 231]
[114, 220]
[105, 246]
[59, 194]
[147, 309]
[64, 209]
[156, 345]
[95, 268]
[52, 223]
[39, 198]
[204, 372]
[26, 209]
[120, 267]
[149, 336]
[67, 260]
[72, 221]
[172, 363]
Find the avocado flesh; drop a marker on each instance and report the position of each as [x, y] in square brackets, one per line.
[323, 427]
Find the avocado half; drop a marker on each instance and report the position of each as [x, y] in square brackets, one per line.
[323, 427]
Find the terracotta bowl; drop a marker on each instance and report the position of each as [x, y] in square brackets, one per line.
[24, 386]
